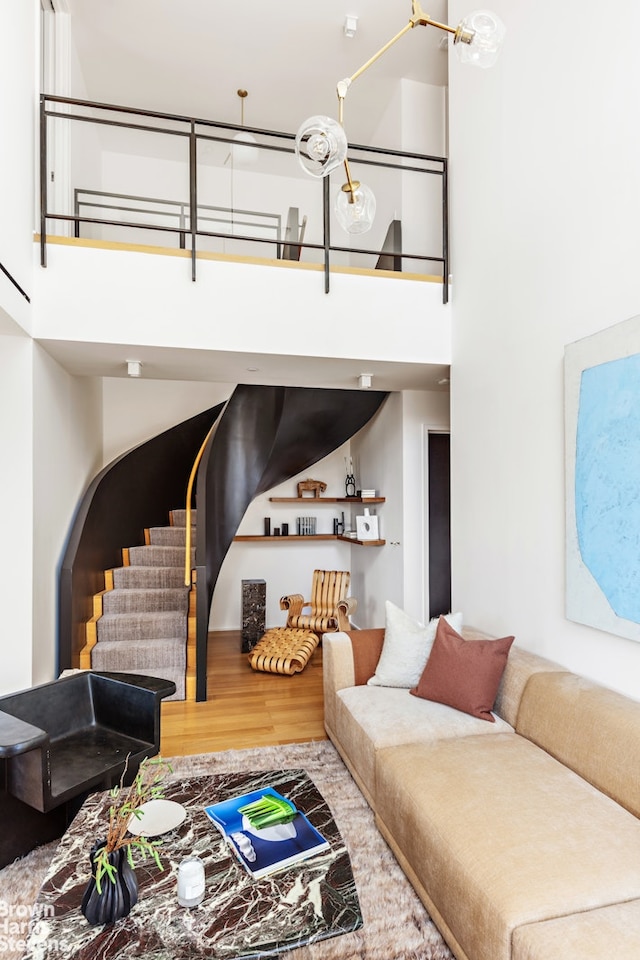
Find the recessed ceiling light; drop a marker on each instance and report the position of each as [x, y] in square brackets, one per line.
[253, 369]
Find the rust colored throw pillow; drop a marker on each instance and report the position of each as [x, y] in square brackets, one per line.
[464, 674]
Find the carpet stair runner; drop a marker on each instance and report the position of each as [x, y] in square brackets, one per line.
[140, 623]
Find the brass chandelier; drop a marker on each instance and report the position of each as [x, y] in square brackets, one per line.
[321, 142]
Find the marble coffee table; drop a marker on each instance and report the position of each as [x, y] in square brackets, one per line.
[239, 918]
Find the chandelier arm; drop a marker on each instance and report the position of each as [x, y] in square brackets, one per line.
[418, 18]
[350, 186]
[381, 51]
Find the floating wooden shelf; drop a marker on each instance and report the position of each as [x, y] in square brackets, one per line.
[313, 500]
[362, 543]
[315, 536]
[291, 536]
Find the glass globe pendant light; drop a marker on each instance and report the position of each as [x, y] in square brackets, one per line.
[243, 149]
[478, 38]
[355, 207]
[321, 145]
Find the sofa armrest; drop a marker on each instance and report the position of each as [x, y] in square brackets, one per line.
[337, 672]
[17, 736]
[348, 660]
[130, 703]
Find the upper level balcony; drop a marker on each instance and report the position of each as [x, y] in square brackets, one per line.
[215, 202]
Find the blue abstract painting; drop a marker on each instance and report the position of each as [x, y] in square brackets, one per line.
[607, 481]
[602, 468]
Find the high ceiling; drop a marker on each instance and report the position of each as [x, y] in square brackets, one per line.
[190, 57]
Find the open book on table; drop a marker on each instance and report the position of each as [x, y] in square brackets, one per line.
[253, 825]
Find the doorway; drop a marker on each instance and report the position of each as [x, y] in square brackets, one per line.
[439, 523]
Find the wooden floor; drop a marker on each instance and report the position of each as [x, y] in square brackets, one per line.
[244, 708]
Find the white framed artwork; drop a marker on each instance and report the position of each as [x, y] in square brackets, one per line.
[602, 466]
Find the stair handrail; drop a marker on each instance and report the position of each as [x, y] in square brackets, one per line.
[192, 477]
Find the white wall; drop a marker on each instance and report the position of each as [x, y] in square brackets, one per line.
[16, 494]
[134, 410]
[287, 567]
[423, 131]
[18, 63]
[389, 456]
[377, 572]
[149, 299]
[67, 448]
[18, 19]
[545, 209]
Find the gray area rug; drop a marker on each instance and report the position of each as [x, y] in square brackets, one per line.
[396, 925]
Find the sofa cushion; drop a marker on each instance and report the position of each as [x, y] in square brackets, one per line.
[367, 647]
[368, 719]
[464, 674]
[593, 730]
[406, 647]
[521, 664]
[608, 932]
[500, 834]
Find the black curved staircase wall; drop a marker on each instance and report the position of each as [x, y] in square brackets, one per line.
[135, 491]
[266, 435]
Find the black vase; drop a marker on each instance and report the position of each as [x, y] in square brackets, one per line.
[116, 897]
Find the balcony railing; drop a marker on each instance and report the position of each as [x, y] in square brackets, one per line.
[122, 172]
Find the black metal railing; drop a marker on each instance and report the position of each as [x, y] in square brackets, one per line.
[195, 226]
[13, 280]
[176, 210]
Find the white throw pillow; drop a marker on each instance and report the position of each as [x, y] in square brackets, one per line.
[406, 648]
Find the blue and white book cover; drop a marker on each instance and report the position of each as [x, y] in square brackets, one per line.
[264, 850]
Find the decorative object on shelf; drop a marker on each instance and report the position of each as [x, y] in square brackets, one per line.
[276, 531]
[267, 526]
[350, 480]
[367, 526]
[191, 881]
[254, 603]
[285, 529]
[113, 888]
[321, 143]
[306, 526]
[338, 525]
[314, 487]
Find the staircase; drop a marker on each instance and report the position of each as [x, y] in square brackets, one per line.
[140, 621]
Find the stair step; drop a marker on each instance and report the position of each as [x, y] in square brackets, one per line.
[148, 578]
[139, 654]
[125, 627]
[167, 659]
[153, 556]
[134, 600]
[170, 536]
[179, 517]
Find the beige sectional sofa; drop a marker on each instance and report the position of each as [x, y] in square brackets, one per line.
[522, 836]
